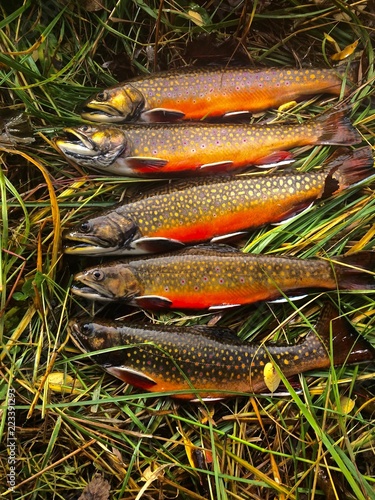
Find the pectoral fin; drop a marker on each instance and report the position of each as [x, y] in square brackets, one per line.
[130, 376]
[159, 115]
[152, 302]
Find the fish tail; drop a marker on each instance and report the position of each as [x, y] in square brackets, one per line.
[347, 168]
[348, 345]
[355, 271]
[336, 129]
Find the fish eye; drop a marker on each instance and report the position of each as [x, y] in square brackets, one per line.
[87, 329]
[102, 96]
[85, 227]
[98, 275]
[84, 128]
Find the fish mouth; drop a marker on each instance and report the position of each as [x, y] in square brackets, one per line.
[102, 113]
[87, 248]
[76, 143]
[89, 292]
[76, 243]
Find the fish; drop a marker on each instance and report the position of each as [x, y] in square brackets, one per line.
[196, 94]
[212, 362]
[182, 149]
[216, 277]
[214, 208]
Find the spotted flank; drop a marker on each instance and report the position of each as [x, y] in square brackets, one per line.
[215, 208]
[195, 94]
[168, 150]
[218, 276]
[210, 363]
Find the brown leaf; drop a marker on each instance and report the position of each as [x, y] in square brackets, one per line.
[97, 489]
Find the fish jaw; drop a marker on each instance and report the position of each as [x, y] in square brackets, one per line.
[114, 105]
[110, 284]
[92, 147]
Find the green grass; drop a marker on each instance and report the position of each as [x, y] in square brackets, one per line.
[53, 56]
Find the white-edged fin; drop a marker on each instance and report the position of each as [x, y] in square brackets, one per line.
[279, 394]
[231, 114]
[225, 237]
[207, 400]
[145, 162]
[287, 299]
[294, 216]
[160, 115]
[223, 306]
[216, 165]
[130, 376]
[147, 245]
[152, 302]
[275, 164]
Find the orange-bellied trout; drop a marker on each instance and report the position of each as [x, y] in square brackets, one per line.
[219, 276]
[212, 363]
[214, 208]
[168, 150]
[195, 94]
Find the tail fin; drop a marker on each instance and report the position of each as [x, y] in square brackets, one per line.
[336, 128]
[347, 168]
[355, 271]
[348, 345]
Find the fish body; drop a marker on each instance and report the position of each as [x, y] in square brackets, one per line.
[218, 276]
[187, 212]
[168, 150]
[196, 94]
[212, 363]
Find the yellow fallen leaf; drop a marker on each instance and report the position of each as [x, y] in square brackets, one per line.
[343, 54]
[286, 106]
[347, 404]
[195, 17]
[271, 377]
[62, 383]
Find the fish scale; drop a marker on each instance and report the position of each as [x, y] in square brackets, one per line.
[207, 360]
[193, 94]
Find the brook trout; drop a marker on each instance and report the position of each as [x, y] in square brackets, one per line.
[216, 277]
[211, 209]
[199, 148]
[194, 94]
[212, 363]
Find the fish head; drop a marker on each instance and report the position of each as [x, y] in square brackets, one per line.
[115, 105]
[102, 235]
[93, 147]
[107, 283]
[91, 336]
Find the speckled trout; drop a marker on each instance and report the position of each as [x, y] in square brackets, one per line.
[219, 276]
[195, 94]
[212, 363]
[214, 208]
[170, 150]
